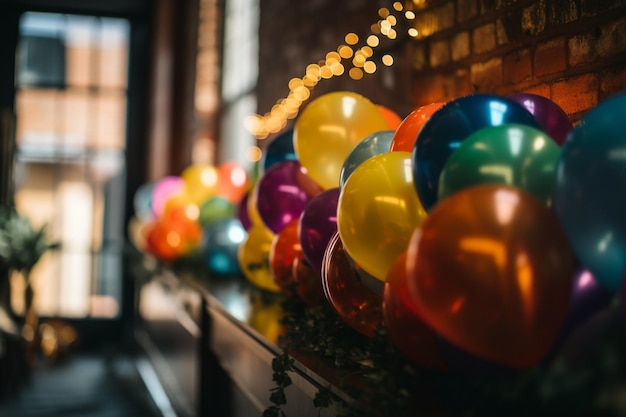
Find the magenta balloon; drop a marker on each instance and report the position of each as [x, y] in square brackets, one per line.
[548, 114]
[282, 194]
[242, 212]
[318, 224]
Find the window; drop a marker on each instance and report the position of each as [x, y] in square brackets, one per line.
[71, 136]
[239, 78]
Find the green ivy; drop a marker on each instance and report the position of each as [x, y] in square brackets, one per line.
[387, 384]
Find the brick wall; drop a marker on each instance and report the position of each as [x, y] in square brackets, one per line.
[293, 35]
[572, 51]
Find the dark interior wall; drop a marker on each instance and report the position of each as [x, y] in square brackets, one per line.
[294, 35]
[571, 51]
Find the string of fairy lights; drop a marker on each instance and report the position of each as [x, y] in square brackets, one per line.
[355, 58]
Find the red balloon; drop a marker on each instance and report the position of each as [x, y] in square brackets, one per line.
[359, 307]
[285, 247]
[233, 181]
[308, 280]
[391, 117]
[404, 326]
[406, 134]
[490, 270]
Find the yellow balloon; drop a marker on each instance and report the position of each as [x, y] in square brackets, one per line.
[201, 181]
[254, 258]
[329, 128]
[378, 211]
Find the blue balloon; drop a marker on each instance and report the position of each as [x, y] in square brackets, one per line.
[590, 191]
[278, 150]
[370, 146]
[451, 125]
[220, 243]
[142, 202]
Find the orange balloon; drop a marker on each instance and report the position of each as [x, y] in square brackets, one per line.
[491, 271]
[285, 247]
[406, 134]
[233, 181]
[356, 304]
[405, 327]
[391, 117]
[308, 280]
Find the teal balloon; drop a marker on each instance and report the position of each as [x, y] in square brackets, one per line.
[142, 202]
[590, 191]
[372, 145]
[510, 154]
[216, 208]
[220, 243]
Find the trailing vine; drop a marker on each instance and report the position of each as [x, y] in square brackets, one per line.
[582, 380]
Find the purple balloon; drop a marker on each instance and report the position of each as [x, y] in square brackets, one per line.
[318, 224]
[282, 194]
[622, 300]
[242, 212]
[588, 299]
[548, 114]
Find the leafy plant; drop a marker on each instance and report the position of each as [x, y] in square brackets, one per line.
[21, 245]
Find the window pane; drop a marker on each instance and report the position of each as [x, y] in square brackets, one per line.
[80, 43]
[37, 118]
[110, 121]
[113, 59]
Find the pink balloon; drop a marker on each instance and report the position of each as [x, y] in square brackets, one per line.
[165, 189]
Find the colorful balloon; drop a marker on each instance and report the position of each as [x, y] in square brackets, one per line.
[370, 146]
[282, 193]
[588, 299]
[406, 134]
[242, 211]
[391, 117]
[360, 308]
[309, 281]
[254, 258]
[200, 181]
[378, 211]
[278, 150]
[588, 193]
[215, 208]
[490, 270]
[327, 130]
[318, 223]
[404, 326]
[233, 181]
[220, 246]
[510, 154]
[142, 202]
[284, 249]
[552, 119]
[164, 189]
[443, 133]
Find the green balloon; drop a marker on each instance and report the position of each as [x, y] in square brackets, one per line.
[512, 154]
[216, 208]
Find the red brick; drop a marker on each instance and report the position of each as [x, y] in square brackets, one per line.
[593, 7]
[487, 76]
[460, 46]
[581, 50]
[439, 53]
[541, 90]
[484, 38]
[466, 9]
[576, 94]
[428, 89]
[534, 18]
[516, 67]
[445, 16]
[612, 40]
[462, 83]
[612, 82]
[550, 57]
